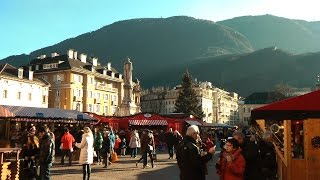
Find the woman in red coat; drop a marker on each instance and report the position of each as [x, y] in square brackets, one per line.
[231, 163]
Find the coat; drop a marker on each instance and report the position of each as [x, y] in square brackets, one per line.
[190, 161]
[134, 141]
[86, 146]
[46, 149]
[233, 170]
[98, 140]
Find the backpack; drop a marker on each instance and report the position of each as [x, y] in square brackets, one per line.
[182, 151]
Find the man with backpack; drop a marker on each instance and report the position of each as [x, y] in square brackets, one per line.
[190, 160]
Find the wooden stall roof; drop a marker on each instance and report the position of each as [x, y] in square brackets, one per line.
[22, 113]
[300, 107]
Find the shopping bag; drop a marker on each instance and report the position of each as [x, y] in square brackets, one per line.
[114, 157]
[150, 147]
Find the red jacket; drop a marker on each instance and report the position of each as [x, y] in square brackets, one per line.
[233, 170]
[117, 143]
[67, 140]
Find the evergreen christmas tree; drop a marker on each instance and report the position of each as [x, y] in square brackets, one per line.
[187, 101]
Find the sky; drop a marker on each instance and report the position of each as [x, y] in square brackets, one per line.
[28, 25]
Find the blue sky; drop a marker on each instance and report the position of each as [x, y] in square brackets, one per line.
[28, 25]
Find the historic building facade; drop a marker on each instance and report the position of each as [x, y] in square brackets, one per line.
[18, 87]
[81, 83]
[219, 106]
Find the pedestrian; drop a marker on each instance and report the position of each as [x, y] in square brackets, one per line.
[149, 149]
[147, 146]
[46, 153]
[177, 139]
[117, 144]
[106, 149]
[123, 147]
[134, 143]
[190, 161]
[67, 141]
[30, 151]
[98, 141]
[231, 164]
[250, 152]
[170, 140]
[268, 157]
[86, 152]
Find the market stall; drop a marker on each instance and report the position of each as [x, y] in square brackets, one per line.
[295, 124]
[15, 120]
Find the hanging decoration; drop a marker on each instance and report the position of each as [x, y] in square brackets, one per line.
[315, 141]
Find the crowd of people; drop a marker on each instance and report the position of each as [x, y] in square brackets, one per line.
[101, 145]
[241, 158]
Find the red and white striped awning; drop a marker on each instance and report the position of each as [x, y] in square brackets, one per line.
[148, 122]
[4, 112]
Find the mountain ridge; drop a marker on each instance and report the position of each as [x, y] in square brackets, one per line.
[165, 46]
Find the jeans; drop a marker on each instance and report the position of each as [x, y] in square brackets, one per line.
[170, 151]
[106, 159]
[134, 152]
[86, 171]
[45, 171]
[66, 152]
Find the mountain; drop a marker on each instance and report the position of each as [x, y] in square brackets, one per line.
[258, 71]
[155, 42]
[233, 54]
[264, 31]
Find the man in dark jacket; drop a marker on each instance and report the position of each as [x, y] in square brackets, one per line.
[46, 153]
[190, 160]
[106, 149]
[250, 151]
[268, 157]
[170, 140]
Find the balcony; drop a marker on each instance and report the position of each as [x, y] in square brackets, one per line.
[97, 101]
[105, 88]
[77, 98]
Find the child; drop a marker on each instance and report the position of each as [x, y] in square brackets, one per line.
[123, 147]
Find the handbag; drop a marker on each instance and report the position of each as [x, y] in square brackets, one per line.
[150, 147]
[61, 146]
[94, 154]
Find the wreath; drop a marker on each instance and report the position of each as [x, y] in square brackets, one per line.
[315, 141]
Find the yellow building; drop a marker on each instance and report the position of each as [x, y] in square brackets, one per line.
[81, 83]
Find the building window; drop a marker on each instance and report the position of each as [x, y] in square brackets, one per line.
[19, 95]
[58, 93]
[44, 99]
[30, 96]
[91, 80]
[106, 109]
[44, 78]
[5, 94]
[20, 73]
[106, 97]
[37, 67]
[90, 107]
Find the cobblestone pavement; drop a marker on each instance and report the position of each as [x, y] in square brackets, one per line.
[125, 169]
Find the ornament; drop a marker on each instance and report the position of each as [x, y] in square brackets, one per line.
[315, 141]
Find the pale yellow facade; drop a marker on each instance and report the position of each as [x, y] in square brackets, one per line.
[84, 89]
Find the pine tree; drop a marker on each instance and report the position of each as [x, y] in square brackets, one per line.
[187, 101]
